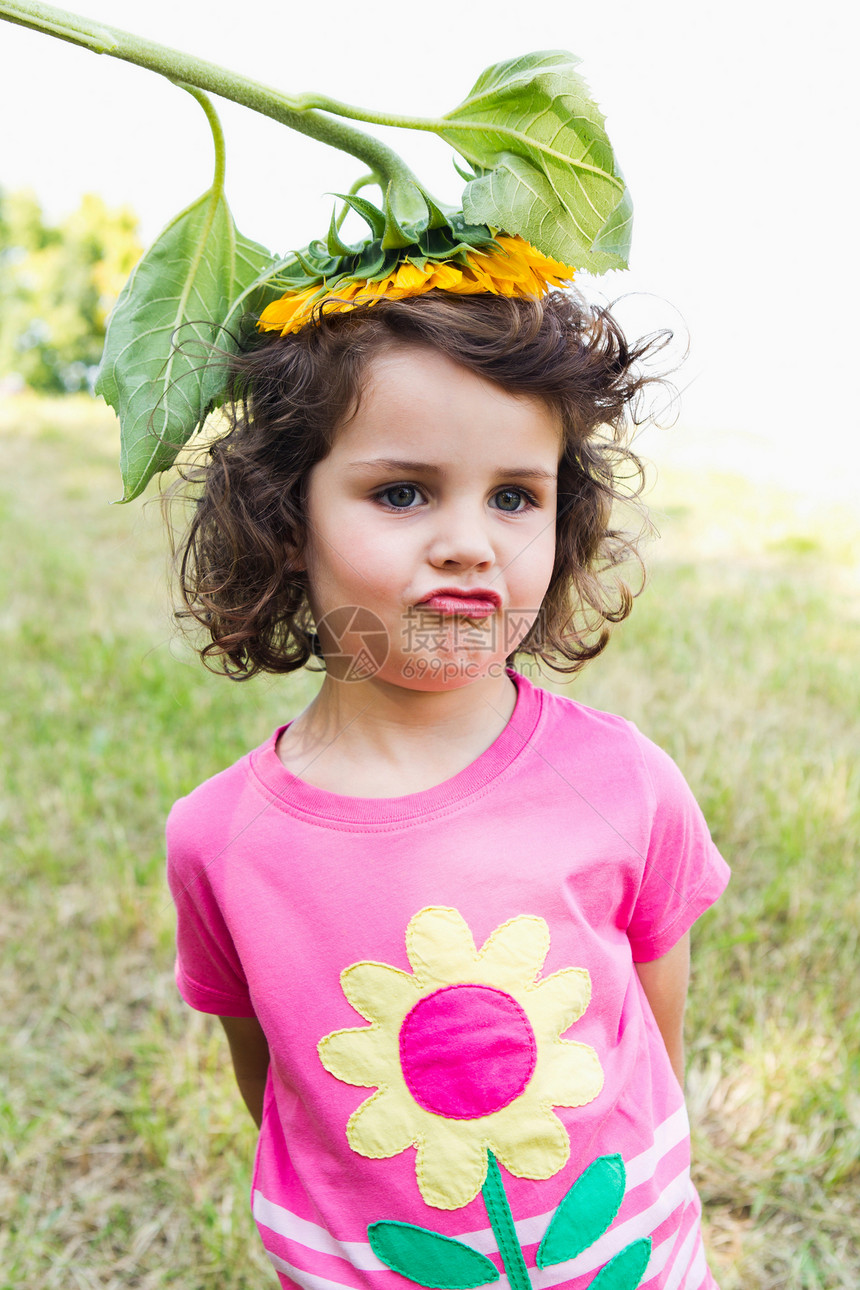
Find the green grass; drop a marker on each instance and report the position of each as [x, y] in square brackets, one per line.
[124, 1151]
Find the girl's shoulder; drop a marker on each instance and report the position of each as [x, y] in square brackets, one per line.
[569, 710]
[564, 714]
[218, 795]
[609, 742]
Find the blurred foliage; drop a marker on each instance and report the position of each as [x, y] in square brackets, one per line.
[58, 283]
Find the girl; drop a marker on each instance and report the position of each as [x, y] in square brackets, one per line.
[443, 914]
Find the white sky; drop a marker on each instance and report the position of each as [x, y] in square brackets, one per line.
[736, 125]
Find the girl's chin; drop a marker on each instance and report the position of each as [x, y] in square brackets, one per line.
[446, 673]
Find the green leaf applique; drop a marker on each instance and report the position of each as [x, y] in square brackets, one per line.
[586, 1211]
[549, 173]
[429, 1258]
[625, 1271]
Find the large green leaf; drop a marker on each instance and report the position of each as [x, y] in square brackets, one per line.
[161, 369]
[429, 1258]
[585, 1213]
[545, 165]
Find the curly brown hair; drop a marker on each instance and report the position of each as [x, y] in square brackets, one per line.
[290, 395]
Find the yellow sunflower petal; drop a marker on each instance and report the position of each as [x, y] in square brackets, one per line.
[301, 319]
[440, 947]
[280, 313]
[499, 269]
[445, 276]
[381, 1127]
[470, 285]
[478, 271]
[568, 1073]
[544, 264]
[409, 276]
[531, 1146]
[558, 1001]
[379, 992]
[451, 1163]
[372, 290]
[515, 952]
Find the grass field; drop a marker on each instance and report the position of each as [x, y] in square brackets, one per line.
[125, 1150]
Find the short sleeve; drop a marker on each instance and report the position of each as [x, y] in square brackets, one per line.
[209, 974]
[683, 873]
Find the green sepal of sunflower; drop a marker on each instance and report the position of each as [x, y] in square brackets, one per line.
[441, 235]
[334, 245]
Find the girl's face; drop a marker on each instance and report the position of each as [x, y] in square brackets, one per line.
[435, 510]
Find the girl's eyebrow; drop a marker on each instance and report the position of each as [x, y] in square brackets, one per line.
[427, 468]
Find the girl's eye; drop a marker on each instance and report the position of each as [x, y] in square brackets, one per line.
[400, 496]
[512, 499]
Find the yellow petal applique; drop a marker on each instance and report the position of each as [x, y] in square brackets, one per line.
[379, 992]
[558, 1001]
[568, 1074]
[451, 1164]
[440, 947]
[364, 1057]
[381, 1127]
[532, 1146]
[514, 954]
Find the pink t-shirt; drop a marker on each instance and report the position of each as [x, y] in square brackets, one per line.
[447, 979]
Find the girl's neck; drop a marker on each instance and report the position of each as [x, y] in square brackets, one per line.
[370, 739]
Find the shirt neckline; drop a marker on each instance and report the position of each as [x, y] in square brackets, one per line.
[296, 796]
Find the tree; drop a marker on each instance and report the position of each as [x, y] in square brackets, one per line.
[57, 286]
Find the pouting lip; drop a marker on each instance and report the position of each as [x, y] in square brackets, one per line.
[464, 593]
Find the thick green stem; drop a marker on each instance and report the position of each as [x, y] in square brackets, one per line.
[502, 1223]
[184, 68]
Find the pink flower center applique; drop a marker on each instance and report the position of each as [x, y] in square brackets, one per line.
[467, 1051]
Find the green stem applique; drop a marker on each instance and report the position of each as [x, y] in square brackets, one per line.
[502, 1223]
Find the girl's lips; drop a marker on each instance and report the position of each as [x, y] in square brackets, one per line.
[470, 606]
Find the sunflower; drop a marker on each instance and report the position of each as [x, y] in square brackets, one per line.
[510, 267]
[465, 1054]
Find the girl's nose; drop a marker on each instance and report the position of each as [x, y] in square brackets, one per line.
[461, 540]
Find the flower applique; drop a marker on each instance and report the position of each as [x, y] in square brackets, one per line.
[466, 1056]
